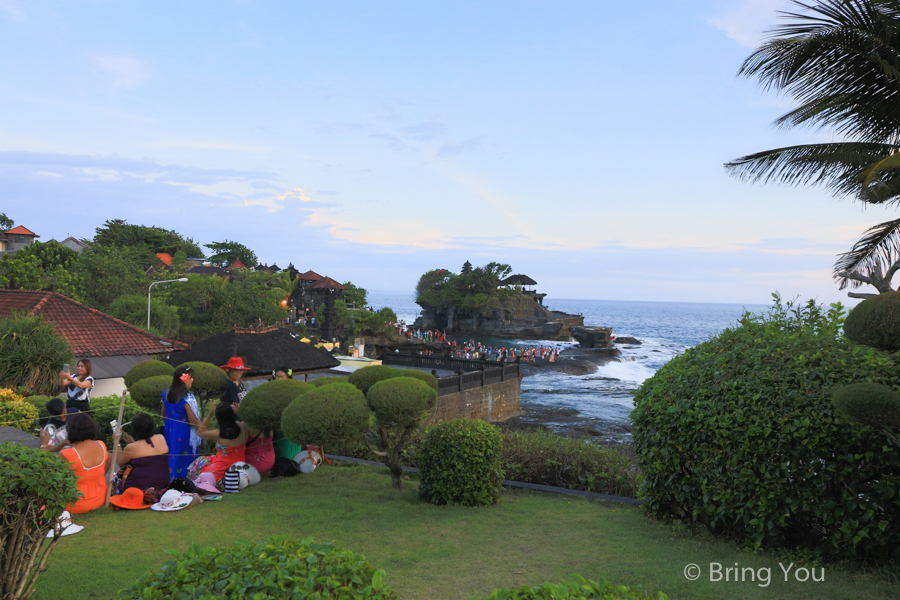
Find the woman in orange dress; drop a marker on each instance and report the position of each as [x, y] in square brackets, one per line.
[230, 438]
[87, 458]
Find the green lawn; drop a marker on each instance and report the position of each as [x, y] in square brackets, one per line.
[429, 552]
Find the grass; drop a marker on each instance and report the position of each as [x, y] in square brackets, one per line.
[429, 552]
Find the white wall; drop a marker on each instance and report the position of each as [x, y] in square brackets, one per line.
[108, 387]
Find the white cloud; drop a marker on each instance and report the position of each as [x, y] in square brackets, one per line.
[749, 21]
[125, 71]
[12, 8]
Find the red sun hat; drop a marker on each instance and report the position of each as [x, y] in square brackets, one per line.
[132, 498]
[237, 363]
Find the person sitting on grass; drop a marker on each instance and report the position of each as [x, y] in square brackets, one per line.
[145, 460]
[230, 438]
[53, 435]
[88, 459]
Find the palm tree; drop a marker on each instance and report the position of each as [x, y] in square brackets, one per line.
[840, 60]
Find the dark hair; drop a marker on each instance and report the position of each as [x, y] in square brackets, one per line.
[143, 426]
[178, 390]
[80, 427]
[228, 427]
[55, 407]
[87, 368]
[283, 369]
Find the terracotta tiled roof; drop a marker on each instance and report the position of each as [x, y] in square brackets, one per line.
[20, 231]
[310, 276]
[165, 258]
[236, 265]
[88, 331]
[327, 284]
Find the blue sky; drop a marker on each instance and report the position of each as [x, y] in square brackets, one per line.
[580, 142]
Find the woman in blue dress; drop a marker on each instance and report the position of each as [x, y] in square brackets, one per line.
[181, 422]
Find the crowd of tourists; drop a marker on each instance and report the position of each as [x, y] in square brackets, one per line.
[418, 333]
[477, 350]
[151, 464]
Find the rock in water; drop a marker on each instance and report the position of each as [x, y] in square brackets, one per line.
[627, 340]
[592, 337]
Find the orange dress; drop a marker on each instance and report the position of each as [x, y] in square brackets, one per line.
[91, 482]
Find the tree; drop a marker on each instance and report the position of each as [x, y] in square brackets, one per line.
[48, 266]
[245, 304]
[132, 309]
[6, 222]
[110, 272]
[227, 252]
[840, 60]
[116, 232]
[32, 353]
[354, 294]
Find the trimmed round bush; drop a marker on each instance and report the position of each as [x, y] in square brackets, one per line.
[330, 416]
[428, 378]
[16, 412]
[261, 408]
[870, 404]
[145, 369]
[739, 435]
[368, 376]
[29, 505]
[876, 322]
[327, 381]
[209, 380]
[277, 569]
[401, 400]
[459, 463]
[147, 393]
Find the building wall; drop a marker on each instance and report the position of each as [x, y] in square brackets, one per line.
[114, 386]
[493, 403]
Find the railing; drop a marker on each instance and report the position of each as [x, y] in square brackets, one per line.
[477, 373]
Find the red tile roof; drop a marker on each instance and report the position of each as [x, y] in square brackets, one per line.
[21, 231]
[165, 258]
[327, 284]
[237, 264]
[88, 331]
[310, 276]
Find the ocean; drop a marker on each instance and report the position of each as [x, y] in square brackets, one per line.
[666, 329]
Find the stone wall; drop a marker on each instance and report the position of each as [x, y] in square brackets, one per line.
[492, 403]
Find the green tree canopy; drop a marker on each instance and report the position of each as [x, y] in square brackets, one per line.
[116, 232]
[354, 294]
[6, 222]
[110, 272]
[42, 266]
[477, 289]
[225, 253]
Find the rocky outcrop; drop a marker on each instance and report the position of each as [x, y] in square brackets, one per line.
[592, 337]
[627, 340]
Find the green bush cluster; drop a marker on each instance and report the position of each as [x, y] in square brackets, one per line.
[585, 590]
[330, 416]
[16, 412]
[870, 404]
[147, 392]
[400, 401]
[327, 381]
[459, 463]
[145, 369]
[368, 376]
[739, 435]
[876, 322]
[277, 569]
[262, 407]
[209, 380]
[32, 354]
[106, 409]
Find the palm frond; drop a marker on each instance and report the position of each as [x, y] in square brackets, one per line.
[879, 247]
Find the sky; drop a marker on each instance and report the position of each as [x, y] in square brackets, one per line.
[582, 143]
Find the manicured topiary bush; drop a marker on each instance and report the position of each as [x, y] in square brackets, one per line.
[870, 404]
[428, 378]
[261, 408]
[145, 369]
[277, 569]
[327, 381]
[147, 393]
[876, 322]
[459, 463]
[29, 506]
[739, 435]
[399, 405]
[16, 412]
[585, 590]
[330, 416]
[209, 380]
[368, 376]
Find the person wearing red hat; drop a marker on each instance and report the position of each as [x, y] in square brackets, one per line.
[234, 389]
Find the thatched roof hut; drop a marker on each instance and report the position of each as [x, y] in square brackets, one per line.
[518, 280]
[264, 351]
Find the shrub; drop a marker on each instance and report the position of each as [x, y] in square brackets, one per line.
[870, 404]
[876, 322]
[40, 404]
[428, 378]
[572, 463]
[32, 354]
[209, 380]
[368, 376]
[261, 408]
[145, 369]
[334, 415]
[275, 569]
[132, 309]
[399, 405]
[327, 381]
[29, 506]
[459, 463]
[147, 393]
[16, 412]
[106, 409]
[586, 590]
[739, 436]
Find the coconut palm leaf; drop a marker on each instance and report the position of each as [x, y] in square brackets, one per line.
[880, 245]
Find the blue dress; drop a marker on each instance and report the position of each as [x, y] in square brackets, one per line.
[180, 435]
